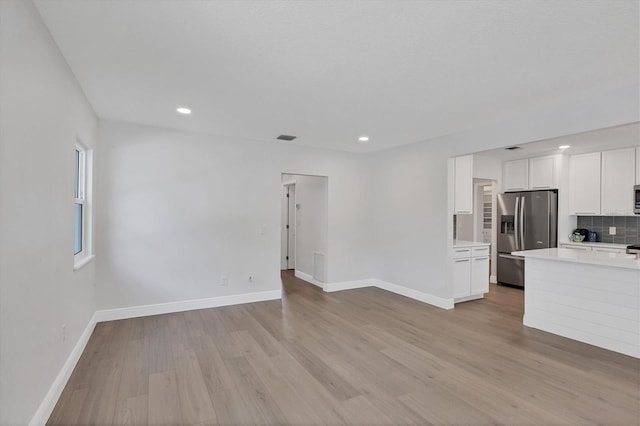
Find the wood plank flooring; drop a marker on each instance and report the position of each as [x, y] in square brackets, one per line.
[361, 356]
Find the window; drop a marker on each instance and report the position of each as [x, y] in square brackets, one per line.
[82, 207]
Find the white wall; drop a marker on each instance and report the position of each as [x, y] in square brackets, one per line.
[42, 110]
[311, 220]
[179, 211]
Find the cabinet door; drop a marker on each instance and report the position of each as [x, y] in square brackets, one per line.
[516, 175]
[618, 176]
[461, 277]
[463, 188]
[609, 250]
[584, 184]
[542, 173]
[479, 275]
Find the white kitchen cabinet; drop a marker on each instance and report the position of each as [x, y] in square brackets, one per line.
[542, 173]
[470, 270]
[595, 247]
[479, 275]
[584, 184]
[461, 277]
[608, 250]
[515, 175]
[575, 247]
[618, 175]
[463, 185]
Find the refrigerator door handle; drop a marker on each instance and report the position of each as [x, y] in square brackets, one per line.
[516, 229]
[522, 246]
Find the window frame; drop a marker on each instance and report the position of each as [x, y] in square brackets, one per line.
[83, 167]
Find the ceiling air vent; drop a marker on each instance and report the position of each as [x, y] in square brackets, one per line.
[286, 137]
[512, 148]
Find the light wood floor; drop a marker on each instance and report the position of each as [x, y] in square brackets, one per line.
[362, 356]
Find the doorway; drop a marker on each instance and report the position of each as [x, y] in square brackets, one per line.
[304, 230]
[288, 238]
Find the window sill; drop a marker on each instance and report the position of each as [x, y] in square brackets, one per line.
[81, 263]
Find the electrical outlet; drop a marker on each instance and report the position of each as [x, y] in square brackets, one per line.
[64, 332]
[612, 230]
[251, 278]
[225, 281]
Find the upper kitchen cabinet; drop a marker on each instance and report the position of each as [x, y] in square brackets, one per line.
[542, 173]
[463, 185]
[515, 175]
[584, 184]
[531, 173]
[618, 175]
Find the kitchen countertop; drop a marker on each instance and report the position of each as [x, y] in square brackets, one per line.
[462, 243]
[616, 260]
[596, 244]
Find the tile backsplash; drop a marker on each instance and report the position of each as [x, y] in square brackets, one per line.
[627, 228]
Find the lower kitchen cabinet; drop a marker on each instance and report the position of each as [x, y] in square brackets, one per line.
[470, 270]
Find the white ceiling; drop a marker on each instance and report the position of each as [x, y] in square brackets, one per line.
[329, 71]
[596, 140]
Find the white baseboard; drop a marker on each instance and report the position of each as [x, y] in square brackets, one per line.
[347, 285]
[394, 288]
[308, 278]
[439, 302]
[51, 398]
[185, 305]
[493, 279]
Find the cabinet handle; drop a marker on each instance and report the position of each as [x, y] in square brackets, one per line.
[481, 258]
[461, 260]
[584, 213]
[541, 187]
[463, 212]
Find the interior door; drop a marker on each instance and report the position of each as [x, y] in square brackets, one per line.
[291, 227]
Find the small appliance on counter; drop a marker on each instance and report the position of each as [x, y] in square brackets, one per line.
[636, 203]
[579, 235]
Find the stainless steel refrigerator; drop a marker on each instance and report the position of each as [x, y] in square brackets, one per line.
[527, 221]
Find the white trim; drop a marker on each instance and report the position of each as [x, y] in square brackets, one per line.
[468, 298]
[289, 182]
[308, 278]
[439, 302]
[430, 299]
[51, 398]
[493, 279]
[348, 285]
[185, 305]
[81, 263]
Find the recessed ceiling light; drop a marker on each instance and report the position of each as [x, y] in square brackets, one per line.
[564, 146]
[183, 110]
[363, 139]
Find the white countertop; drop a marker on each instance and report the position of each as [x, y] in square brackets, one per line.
[616, 260]
[592, 244]
[462, 243]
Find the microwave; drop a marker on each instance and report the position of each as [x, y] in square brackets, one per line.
[636, 201]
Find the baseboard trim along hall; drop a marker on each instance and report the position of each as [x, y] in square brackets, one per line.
[51, 398]
[347, 285]
[308, 278]
[440, 302]
[430, 299]
[185, 305]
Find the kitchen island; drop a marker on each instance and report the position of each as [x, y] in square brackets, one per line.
[592, 297]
